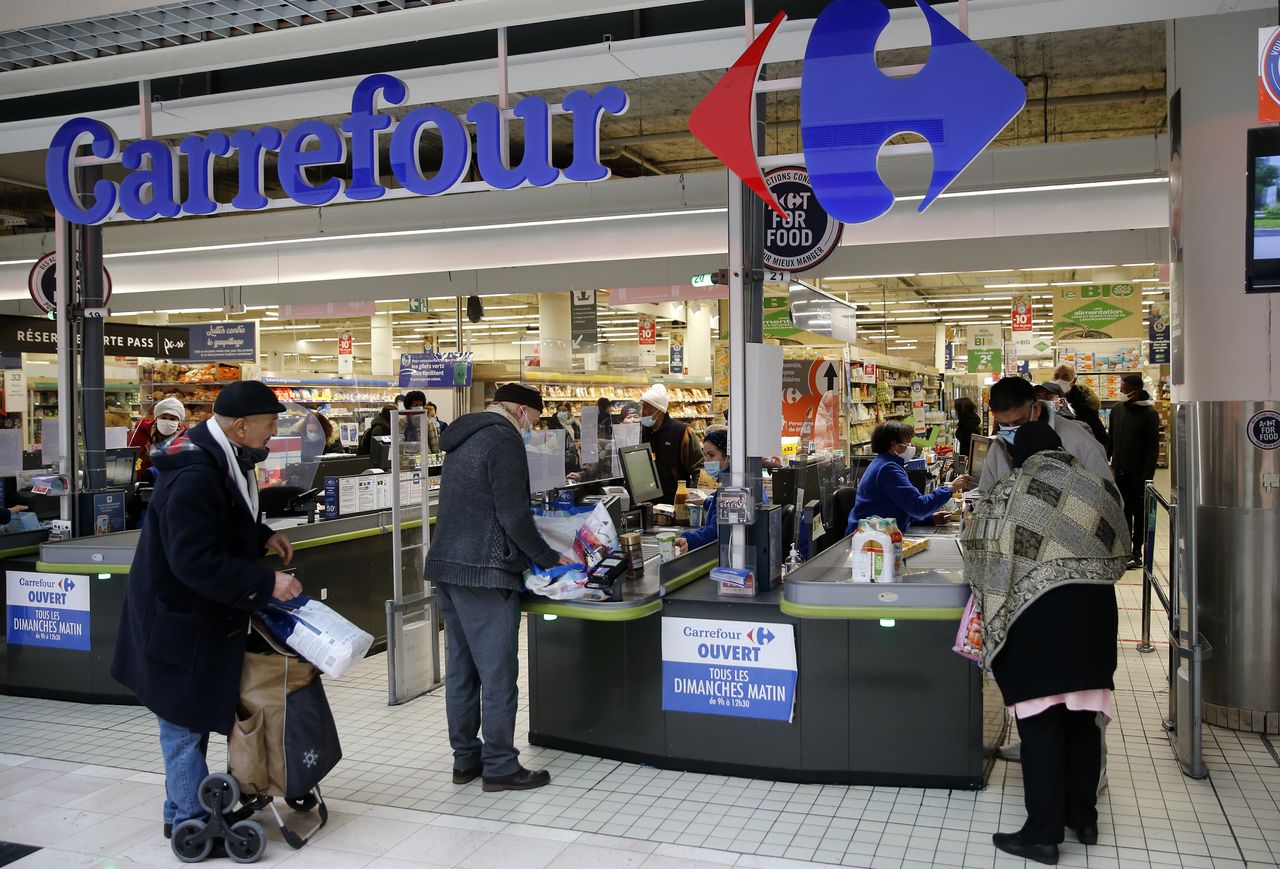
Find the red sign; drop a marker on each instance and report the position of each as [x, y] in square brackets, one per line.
[648, 330]
[345, 345]
[1022, 313]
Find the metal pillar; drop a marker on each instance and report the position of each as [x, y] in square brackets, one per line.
[64, 239]
[92, 360]
[746, 318]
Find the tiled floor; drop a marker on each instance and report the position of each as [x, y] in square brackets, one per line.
[83, 782]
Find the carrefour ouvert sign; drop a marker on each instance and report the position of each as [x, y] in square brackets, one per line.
[152, 188]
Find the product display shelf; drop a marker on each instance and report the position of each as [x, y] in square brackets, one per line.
[42, 403]
[689, 403]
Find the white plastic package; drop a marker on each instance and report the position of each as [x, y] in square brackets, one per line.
[318, 633]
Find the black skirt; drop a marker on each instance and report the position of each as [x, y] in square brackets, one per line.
[1065, 641]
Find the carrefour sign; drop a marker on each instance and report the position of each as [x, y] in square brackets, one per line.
[740, 669]
[152, 188]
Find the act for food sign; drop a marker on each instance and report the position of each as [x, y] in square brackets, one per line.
[715, 667]
[47, 609]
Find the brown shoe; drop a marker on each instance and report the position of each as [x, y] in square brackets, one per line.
[521, 780]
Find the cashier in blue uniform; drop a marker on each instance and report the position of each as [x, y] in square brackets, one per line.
[715, 455]
[886, 491]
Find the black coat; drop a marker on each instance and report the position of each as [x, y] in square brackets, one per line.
[196, 577]
[677, 453]
[1065, 641]
[1135, 438]
[966, 428]
[1086, 414]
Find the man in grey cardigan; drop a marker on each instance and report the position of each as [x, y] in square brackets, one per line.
[484, 533]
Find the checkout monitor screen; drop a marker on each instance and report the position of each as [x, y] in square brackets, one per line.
[120, 463]
[641, 473]
[979, 446]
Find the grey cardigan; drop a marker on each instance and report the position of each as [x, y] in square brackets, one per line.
[484, 528]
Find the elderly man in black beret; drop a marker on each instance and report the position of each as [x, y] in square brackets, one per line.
[483, 539]
[196, 578]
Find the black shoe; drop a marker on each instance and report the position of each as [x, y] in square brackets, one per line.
[168, 830]
[1011, 843]
[1087, 835]
[466, 776]
[1134, 563]
[523, 780]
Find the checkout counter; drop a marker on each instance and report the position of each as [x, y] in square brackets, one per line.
[344, 562]
[881, 699]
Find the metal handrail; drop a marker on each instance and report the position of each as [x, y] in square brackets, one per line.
[1195, 652]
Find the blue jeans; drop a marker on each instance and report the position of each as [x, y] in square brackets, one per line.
[184, 768]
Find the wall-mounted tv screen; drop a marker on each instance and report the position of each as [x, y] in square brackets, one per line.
[1262, 227]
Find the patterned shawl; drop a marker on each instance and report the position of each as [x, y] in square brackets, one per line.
[1049, 523]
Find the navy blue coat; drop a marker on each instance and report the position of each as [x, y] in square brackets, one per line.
[195, 579]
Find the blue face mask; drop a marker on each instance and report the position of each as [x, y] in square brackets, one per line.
[647, 421]
[712, 469]
[527, 436]
[1007, 434]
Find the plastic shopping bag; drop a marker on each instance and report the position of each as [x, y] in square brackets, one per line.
[562, 582]
[317, 633]
[969, 634]
[586, 532]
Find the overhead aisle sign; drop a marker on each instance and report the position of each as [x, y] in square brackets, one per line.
[720, 667]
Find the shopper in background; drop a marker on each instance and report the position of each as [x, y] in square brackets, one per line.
[166, 420]
[415, 404]
[675, 449]
[1013, 404]
[968, 423]
[483, 541]
[1044, 578]
[196, 577]
[604, 419]
[1053, 392]
[380, 426]
[1084, 404]
[1135, 447]
[885, 489]
[561, 419]
[433, 413]
[318, 437]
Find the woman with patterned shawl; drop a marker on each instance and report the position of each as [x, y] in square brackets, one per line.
[1042, 554]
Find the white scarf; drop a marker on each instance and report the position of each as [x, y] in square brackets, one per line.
[248, 492]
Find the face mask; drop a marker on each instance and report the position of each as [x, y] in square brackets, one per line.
[909, 453]
[647, 421]
[314, 436]
[564, 415]
[1008, 433]
[1065, 384]
[166, 427]
[527, 435]
[712, 469]
[257, 455]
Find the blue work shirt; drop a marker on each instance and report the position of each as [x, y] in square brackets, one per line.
[886, 491]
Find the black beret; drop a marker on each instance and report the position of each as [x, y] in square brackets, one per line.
[247, 398]
[518, 393]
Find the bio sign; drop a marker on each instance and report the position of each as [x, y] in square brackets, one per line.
[803, 235]
[313, 160]
[1097, 311]
[742, 669]
[47, 609]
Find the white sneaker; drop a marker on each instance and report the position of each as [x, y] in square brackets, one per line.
[1012, 751]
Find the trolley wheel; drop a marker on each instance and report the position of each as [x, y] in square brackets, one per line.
[219, 793]
[304, 803]
[257, 802]
[187, 844]
[247, 842]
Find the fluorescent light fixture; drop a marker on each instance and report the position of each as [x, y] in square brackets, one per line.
[1145, 281]
[1070, 283]
[1064, 268]
[1137, 265]
[1013, 286]
[869, 277]
[1156, 292]
[1045, 188]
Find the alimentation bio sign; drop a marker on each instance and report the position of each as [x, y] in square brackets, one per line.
[743, 669]
[47, 609]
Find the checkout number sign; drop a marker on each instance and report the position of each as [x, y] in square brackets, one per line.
[47, 609]
[743, 669]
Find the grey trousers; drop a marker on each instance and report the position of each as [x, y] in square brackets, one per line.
[481, 664]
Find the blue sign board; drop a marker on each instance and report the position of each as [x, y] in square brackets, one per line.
[108, 512]
[434, 371]
[47, 609]
[223, 341]
[720, 667]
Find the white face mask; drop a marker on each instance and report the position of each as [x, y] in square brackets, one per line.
[647, 421]
[166, 427]
[909, 453]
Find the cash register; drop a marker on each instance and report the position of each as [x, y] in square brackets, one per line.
[640, 473]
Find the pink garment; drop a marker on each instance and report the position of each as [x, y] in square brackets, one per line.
[1095, 700]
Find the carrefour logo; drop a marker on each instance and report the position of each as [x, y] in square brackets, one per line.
[151, 187]
[67, 584]
[959, 103]
[761, 636]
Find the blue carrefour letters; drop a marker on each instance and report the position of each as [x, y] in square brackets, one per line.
[151, 187]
